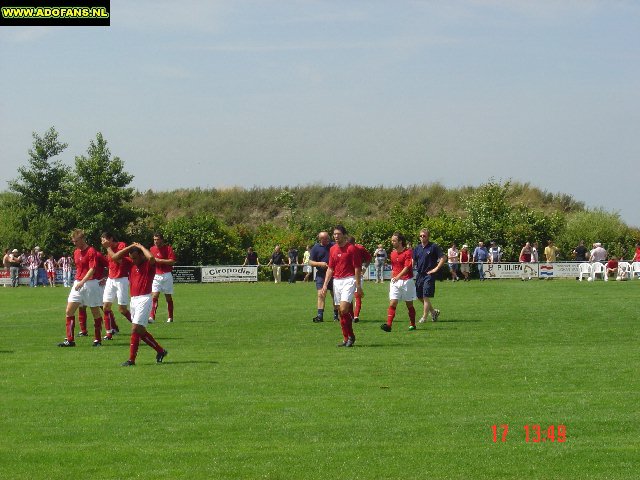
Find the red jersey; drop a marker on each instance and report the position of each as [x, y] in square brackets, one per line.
[164, 252]
[364, 253]
[141, 278]
[119, 270]
[636, 257]
[344, 260]
[84, 260]
[102, 265]
[400, 261]
[612, 264]
[464, 256]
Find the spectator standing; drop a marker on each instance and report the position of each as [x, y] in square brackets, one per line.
[465, 258]
[66, 263]
[480, 256]
[50, 267]
[251, 258]
[534, 253]
[33, 264]
[292, 257]
[42, 273]
[495, 253]
[380, 256]
[402, 286]
[276, 262]
[551, 252]
[453, 258]
[598, 254]
[636, 256]
[6, 265]
[580, 253]
[307, 269]
[14, 267]
[525, 253]
[319, 259]
[428, 259]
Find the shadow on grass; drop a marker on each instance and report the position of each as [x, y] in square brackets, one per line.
[187, 362]
[7, 351]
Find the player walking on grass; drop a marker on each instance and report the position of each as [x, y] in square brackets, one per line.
[117, 286]
[365, 256]
[141, 279]
[402, 285]
[85, 290]
[428, 258]
[163, 281]
[345, 268]
[319, 259]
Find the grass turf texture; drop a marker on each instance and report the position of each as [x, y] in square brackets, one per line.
[252, 388]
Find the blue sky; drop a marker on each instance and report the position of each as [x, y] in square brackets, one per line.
[257, 93]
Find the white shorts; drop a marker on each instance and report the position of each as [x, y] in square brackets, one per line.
[404, 290]
[163, 283]
[116, 289]
[90, 295]
[307, 269]
[140, 309]
[343, 289]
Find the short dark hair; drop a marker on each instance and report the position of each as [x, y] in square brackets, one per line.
[135, 250]
[108, 235]
[401, 238]
[159, 235]
[341, 228]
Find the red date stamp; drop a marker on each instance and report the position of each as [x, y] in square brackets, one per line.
[532, 433]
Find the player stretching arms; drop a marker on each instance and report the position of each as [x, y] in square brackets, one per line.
[85, 290]
[141, 277]
[163, 281]
[402, 285]
[117, 286]
[345, 267]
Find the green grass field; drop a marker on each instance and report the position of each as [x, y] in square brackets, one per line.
[253, 389]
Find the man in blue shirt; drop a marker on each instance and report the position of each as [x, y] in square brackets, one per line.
[319, 259]
[480, 256]
[428, 258]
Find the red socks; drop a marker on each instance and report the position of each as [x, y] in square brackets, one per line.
[71, 326]
[391, 313]
[170, 308]
[82, 318]
[149, 340]
[346, 322]
[358, 302]
[412, 316]
[97, 329]
[154, 307]
[133, 348]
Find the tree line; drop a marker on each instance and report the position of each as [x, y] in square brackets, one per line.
[49, 198]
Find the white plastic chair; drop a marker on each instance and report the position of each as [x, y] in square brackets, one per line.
[635, 269]
[598, 268]
[585, 269]
[624, 270]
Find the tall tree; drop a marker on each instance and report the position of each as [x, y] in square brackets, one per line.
[39, 184]
[100, 192]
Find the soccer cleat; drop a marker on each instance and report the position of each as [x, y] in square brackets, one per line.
[108, 337]
[160, 356]
[151, 320]
[317, 320]
[343, 344]
[422, 320]
[350, 342]
[67, 343]
[83, 334]
[96, 343]
[169, 320]
[128, 363]
[385, 327]
[356, 319]
[435, 315]
[412, 327]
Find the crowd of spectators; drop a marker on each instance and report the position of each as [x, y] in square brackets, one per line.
[41, 269]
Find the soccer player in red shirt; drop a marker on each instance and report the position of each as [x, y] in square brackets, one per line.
[117, 286]
[402, 285]
[163, 281]
[345, 268]
[366, 260]
[141, 277]
[85, 291]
